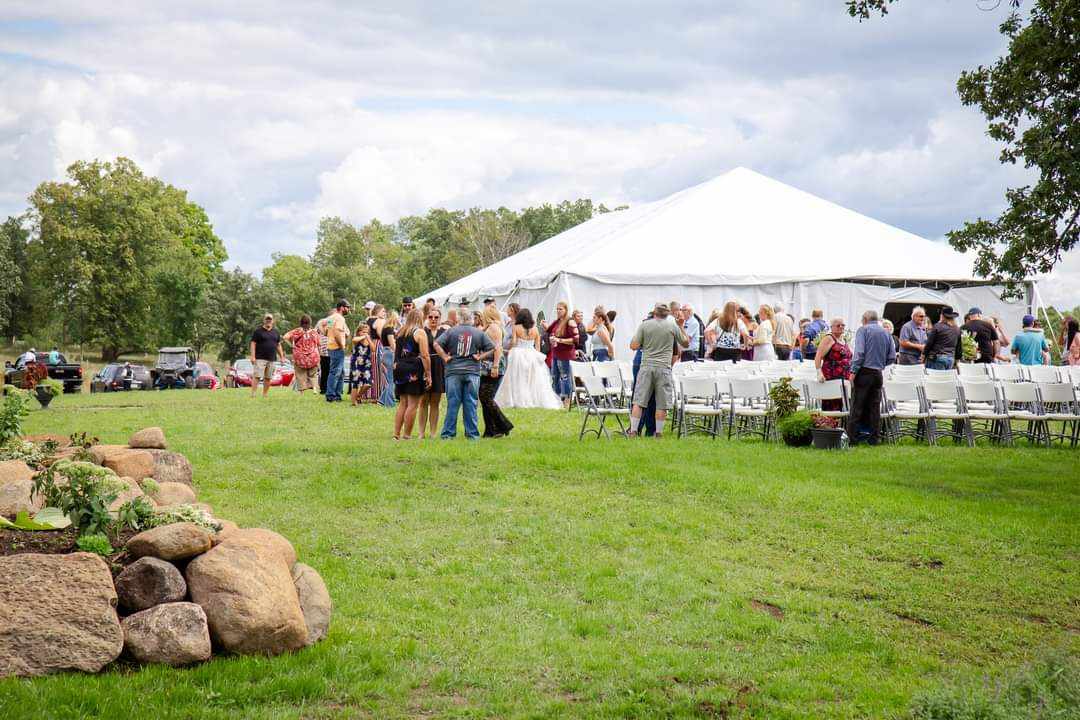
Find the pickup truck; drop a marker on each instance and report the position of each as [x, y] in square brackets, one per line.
[71, 374]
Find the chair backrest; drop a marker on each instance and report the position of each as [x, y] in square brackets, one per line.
[941, 375]
[901, 391]
[940, 392]
[972, 370]
[828, 390]
[607, 371]
[1042, 373]
[1007, 372]
[1057, 392]
[699, 386]
[980, 391]
[1020, 392]
[747, 389]
[594, 386]
[909, 370]
[581, 369]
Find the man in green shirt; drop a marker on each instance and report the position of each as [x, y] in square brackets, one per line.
[660, 339]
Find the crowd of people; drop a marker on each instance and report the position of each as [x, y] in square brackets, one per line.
[486, 360]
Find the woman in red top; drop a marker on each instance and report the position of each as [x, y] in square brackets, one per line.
[563, 334]
[834, 360]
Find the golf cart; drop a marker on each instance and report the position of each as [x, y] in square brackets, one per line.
[175, 368]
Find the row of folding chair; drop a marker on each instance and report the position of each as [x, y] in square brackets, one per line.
[1004, 372]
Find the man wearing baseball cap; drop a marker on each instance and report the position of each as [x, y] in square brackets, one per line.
[337, 337]
[984, 334]
[659, 339]
[1029, 345]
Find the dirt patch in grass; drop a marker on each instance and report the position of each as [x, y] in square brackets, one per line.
[927, 563]
[913, 619]
[60, 542]
[767, 607]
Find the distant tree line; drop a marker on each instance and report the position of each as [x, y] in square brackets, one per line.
[121, 261]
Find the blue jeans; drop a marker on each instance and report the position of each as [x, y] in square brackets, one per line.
[600, 355]
[462, 391]
[333, 382]
[386, 361]
[561, 381]
[941, 362]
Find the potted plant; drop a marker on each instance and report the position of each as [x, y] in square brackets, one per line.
[783, 398]
[827, 433]
[46, 390]
[795, 429]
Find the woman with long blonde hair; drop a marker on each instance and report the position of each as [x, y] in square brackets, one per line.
[496, 424]
[563, 336]
[730, 332]
[763, 335]
[600, 329]
[412, 372]
[429, 403]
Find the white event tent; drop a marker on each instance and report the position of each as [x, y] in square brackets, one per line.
[741, 236]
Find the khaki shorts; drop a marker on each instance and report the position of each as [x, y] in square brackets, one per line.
[658, 380]
[264, 370]
[306, 377]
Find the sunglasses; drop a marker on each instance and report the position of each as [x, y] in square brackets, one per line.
[433, 317]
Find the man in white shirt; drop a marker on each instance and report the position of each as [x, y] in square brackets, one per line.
[692, 327]
[29, 356]
[784, 335]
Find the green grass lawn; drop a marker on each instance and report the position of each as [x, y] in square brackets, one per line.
[537, 576]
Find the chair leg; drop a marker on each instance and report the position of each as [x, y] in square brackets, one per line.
[931, 431]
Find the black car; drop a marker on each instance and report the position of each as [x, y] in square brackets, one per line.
[117, 377]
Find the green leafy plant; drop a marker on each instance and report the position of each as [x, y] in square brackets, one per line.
[50, 386]
[184, 513]
[824, 422]
[784, 397]
[795, 428]
[82, 444]
[84, 498]
[16, 406]
[48, 518]
[30, 453]
[97, 543]
[969, 347]
[137, 514]
[150, 486]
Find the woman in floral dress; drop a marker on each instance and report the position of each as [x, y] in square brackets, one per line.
[833, 360]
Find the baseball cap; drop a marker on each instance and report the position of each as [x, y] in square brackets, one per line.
[343, 303]
[488, 301]
[369, 305]
[268, 316]
[406, 300]
[948, 312]
[974, 311]
[1028, 321]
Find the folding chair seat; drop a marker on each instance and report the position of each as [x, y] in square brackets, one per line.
[1060, 404]
[699, 406]
[816, 391]
[904, 410]
[1042, 374]
[597, 404]
[986, 410]
[611, 376]
[1023, 405]
[748, 407]
[1007, 372]
[973, 371]
[944, 401]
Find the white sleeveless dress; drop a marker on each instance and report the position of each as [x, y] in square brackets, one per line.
[526, 382]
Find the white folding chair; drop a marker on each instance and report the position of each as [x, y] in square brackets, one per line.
[986, 411]
[598, 404]
[748, 407]
[627, 378]
[1059, 402]
[1042, 373]
[611, 376]
[816, 392]
[904, 410]
[1023, 405]
[578, 372]
[973, 371]
[699, 406]
[907, 372]
[942, 376]
[1007, 372]
[945, 402]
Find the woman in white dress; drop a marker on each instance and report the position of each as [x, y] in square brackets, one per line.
[526, 382]
[763, 336]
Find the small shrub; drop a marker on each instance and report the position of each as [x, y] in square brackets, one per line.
[795, 428]
[784, 397]
[16, 406]
[82, 444]
[96, 543]
[824, 422]
[51, 386]
[184, 513]
[86, 496]
[137, 514]
[968, 347]
[150, 486]
[34, 455]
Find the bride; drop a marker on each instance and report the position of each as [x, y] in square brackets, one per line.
[526, 382]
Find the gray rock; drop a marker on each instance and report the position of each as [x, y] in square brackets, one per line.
[173, 493]
[148, 582]
[177, 541]
[174, 634]
[151, 437]
[263, 538]
[57, 612]
[136, 464]
[314, 601]
[171, 466]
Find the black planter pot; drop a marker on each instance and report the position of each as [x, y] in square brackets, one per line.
[828, 438]
[43, 396]
[799, 441]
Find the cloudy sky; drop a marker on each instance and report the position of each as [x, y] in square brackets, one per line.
[274, 114]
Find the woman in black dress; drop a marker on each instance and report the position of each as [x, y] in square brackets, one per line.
[495, 423]
[429, 403]
[412, 372]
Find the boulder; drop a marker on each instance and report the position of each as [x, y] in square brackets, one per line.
[151, 437]
[177, 541]
[137, 464]
[148, 582]
[100, 452]
[227, 526]
[314, 601]
[131, 491]
[174, 633]
[16, 483]
[173, 493]
[62, 441]
[264, 539]
[171, 466]
[57, 612]
[249, 598]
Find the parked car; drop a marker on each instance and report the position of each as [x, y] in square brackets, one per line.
[175, 368]
[206, 377]
[118, 377]
[70, 374]
[242, 370]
